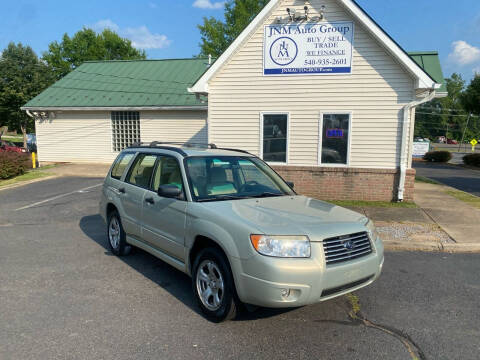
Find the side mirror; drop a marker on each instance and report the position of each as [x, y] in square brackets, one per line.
[169, 191]
[291, 184]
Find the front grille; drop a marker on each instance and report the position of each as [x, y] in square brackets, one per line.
[351, 285]
[347, 247]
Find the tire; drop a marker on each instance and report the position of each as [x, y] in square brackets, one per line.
[221, 301]
[116, 237]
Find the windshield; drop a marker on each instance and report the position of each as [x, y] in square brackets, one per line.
[232, 177]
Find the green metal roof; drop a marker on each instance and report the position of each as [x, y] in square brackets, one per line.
[137, 83]
[430, 63]
[152, 83]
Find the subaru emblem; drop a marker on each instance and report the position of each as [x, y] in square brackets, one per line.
[349, 245]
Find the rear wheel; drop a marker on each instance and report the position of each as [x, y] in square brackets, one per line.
[213, 285]
[116, 235]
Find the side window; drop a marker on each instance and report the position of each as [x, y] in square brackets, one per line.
[120, 165]
[142, 170]
[335, 135]
[167, 173]
[274, 134]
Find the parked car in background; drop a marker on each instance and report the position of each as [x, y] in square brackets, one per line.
[452, 142]
[236, 227]
[11, 147]
[419, 139]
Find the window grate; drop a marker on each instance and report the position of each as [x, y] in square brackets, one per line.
[125, 129]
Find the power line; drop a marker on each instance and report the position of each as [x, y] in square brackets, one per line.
[438, 114]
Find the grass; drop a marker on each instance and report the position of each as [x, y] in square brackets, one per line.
[381, 204]
[424, 179]
[465, 197]
[13, 138]
[30, 175]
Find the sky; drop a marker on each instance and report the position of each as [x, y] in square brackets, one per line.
[168, 28]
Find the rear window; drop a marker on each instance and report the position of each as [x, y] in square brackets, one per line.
[121, 164]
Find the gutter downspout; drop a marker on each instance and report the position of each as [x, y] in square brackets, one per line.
[29, 114]
[403, 151]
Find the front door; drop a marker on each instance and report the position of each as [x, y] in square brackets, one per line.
[133, 192]
[164, 218]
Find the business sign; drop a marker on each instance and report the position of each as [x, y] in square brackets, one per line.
[420, 148]
[308, 49]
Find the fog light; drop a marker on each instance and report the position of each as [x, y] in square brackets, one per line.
[285, 293]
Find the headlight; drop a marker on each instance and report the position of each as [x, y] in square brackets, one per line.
[282, 246]
[372, 231]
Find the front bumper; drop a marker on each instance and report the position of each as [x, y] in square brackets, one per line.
[264, 281]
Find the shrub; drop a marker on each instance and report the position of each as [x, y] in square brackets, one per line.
[472, 159]
[438, 156]
[13, 164]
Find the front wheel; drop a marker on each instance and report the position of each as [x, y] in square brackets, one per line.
[213, 285]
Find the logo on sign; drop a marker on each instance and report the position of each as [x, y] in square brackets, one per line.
[283, 51]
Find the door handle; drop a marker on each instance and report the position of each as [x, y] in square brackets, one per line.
[150, 201]
[121, 190]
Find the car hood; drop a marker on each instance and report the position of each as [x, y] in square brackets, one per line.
[292, 215]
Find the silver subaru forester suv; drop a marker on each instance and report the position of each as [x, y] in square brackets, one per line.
[236, 227]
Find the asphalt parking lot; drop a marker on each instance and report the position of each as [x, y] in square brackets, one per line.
[464, 179]
[64, 296]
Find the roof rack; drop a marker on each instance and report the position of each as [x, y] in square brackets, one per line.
[237, 150]
[167, 145]
[161, 145]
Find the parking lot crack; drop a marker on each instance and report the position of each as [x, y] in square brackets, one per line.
[357, 317]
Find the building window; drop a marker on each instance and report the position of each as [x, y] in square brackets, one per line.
[275, 137]
[334, 139]
[125, 129]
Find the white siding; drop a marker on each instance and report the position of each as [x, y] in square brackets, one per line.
[85, 136]
[375, 94]
[175, 126]
[78, 136]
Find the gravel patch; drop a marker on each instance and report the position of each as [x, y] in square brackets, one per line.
[412, 232]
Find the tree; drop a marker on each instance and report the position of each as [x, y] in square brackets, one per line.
[218, 35]
[87, 45]
[471, 102]
[471, 97]
[22, 77]
[445, 116]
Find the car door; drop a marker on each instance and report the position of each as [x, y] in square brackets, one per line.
[132, 193]
[164, 218]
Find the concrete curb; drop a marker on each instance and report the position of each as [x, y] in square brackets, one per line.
[23, 183]
[453, 248]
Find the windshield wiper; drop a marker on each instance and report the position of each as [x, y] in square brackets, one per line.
[221, 198]
[267, 194]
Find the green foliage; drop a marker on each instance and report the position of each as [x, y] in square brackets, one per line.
[471, 97]
[218, 35]
[449, 116]
[13, 164]
[438, 156]
[472, 159]
[88, 45]
[22, 77]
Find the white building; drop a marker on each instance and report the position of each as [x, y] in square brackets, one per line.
[324, 95]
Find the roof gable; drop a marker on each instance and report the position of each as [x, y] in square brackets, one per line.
[423, 79]
[141, 83]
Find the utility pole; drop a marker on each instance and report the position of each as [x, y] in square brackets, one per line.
[464, 131]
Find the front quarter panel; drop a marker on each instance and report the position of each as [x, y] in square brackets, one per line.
[232, 235]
